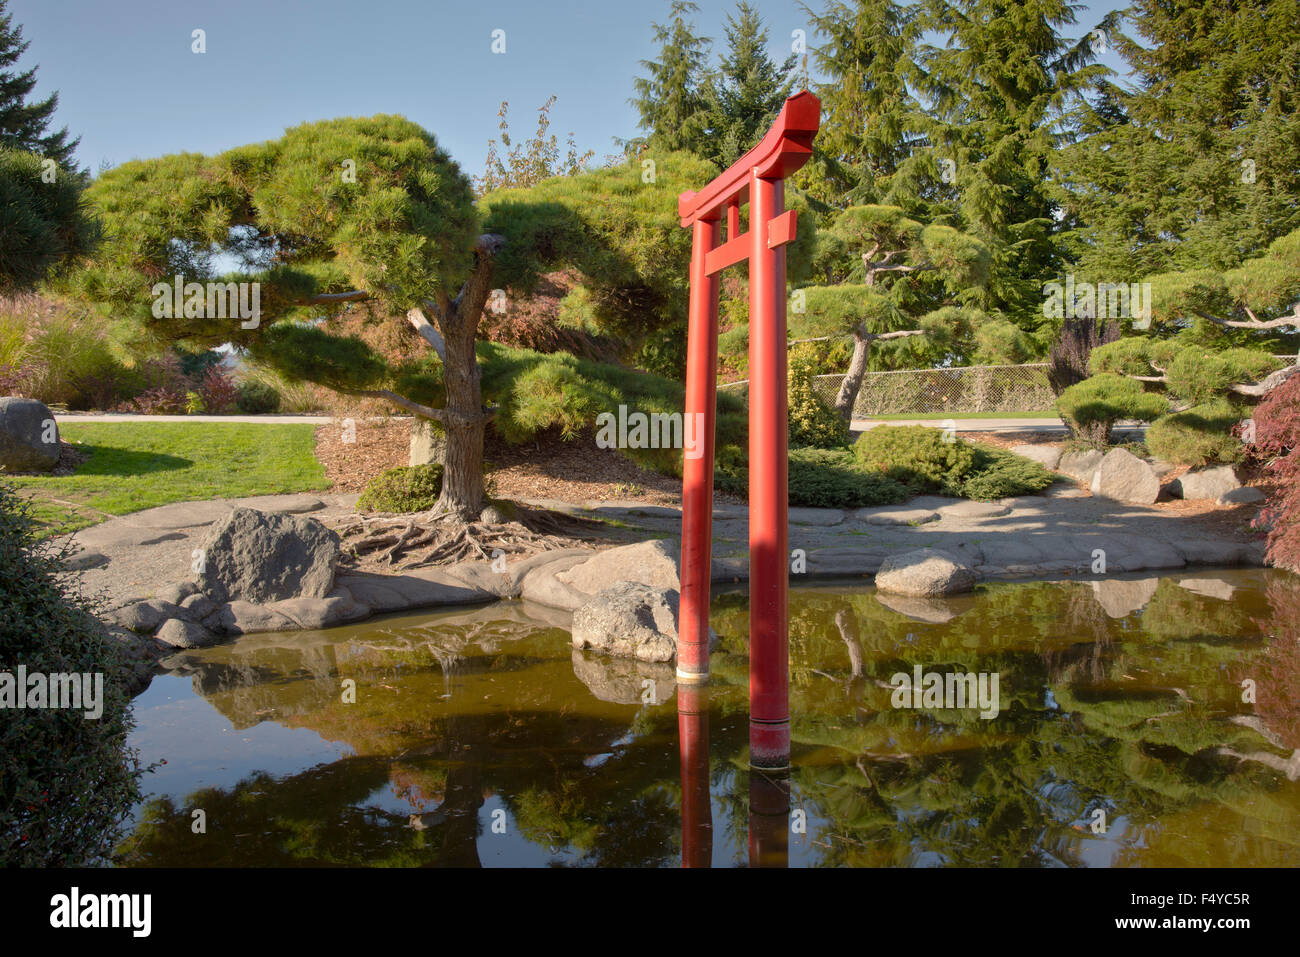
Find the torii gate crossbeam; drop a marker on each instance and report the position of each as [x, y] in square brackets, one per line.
[757, 178]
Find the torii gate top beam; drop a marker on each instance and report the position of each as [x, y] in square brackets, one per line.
[786, 147]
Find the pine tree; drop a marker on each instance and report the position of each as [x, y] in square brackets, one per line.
[748, 90]
[23, 125]
[1199, 167]
[894, 281]
[672, 101]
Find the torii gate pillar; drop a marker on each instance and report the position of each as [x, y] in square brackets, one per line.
[758, 178]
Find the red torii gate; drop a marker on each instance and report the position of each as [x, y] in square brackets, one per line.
[758, 178]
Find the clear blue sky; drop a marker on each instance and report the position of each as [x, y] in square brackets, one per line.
[130, 86]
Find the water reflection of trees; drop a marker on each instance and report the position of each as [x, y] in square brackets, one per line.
[1134, 711]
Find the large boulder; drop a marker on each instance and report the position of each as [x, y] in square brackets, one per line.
[1246, 495]
[1124, 477]
[924, 573]
[1206, 483]
[185, 634]
[29, 436]
[1080, 465]
[629, 620]
[652, 563]
[255, 557]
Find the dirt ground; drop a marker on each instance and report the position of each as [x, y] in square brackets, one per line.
[550, 468]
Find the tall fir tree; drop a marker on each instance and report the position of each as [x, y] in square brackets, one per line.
[999, 95]
[672, 100]
[748, 90]
[1199, 166]
[24, 125]
[869, 116]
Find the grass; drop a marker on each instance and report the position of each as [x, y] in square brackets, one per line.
[139, 465]
[940, 416]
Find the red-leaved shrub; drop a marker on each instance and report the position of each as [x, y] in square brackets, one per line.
[1277, 439]
[162, 400]
[218, 391]
[1277, 672]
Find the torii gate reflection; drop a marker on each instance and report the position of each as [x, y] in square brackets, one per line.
[757, 178]
[769, 794]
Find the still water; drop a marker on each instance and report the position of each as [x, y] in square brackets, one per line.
[1124, 736]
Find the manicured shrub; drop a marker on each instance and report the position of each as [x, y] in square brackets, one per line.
[916, 455]
[67, 782]
[997, 473]
[537, 392]
[818, 478]
[831, 478]
[404, 489]
[1199, 436]
[257, 398]
[1092, 407]
[814, 423]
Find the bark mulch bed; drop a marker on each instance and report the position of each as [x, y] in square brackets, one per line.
[547, 468]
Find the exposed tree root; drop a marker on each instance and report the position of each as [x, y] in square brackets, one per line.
[410, 541]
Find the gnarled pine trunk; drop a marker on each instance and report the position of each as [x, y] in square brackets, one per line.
[849, 388]
[462, 474]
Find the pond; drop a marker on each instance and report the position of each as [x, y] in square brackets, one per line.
[1124, 735]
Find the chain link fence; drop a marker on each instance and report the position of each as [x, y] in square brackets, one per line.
[993, 389]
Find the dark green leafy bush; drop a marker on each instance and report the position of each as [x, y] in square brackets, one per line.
[997, 473]
[257, 398]
[1198, 436]
[818, 478]
[813, 422]
[915, 455]
[67, 782]
[404, 489]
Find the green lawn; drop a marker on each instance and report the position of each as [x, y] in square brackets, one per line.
[939, 416]
[138, 465]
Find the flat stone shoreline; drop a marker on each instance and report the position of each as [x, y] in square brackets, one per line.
[141, 555]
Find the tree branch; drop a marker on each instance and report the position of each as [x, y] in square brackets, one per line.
[429, 334]
[475, 291]
[1292, 319]
[324, 298]
[881, 336]
[1270, 382]
[444, 416]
